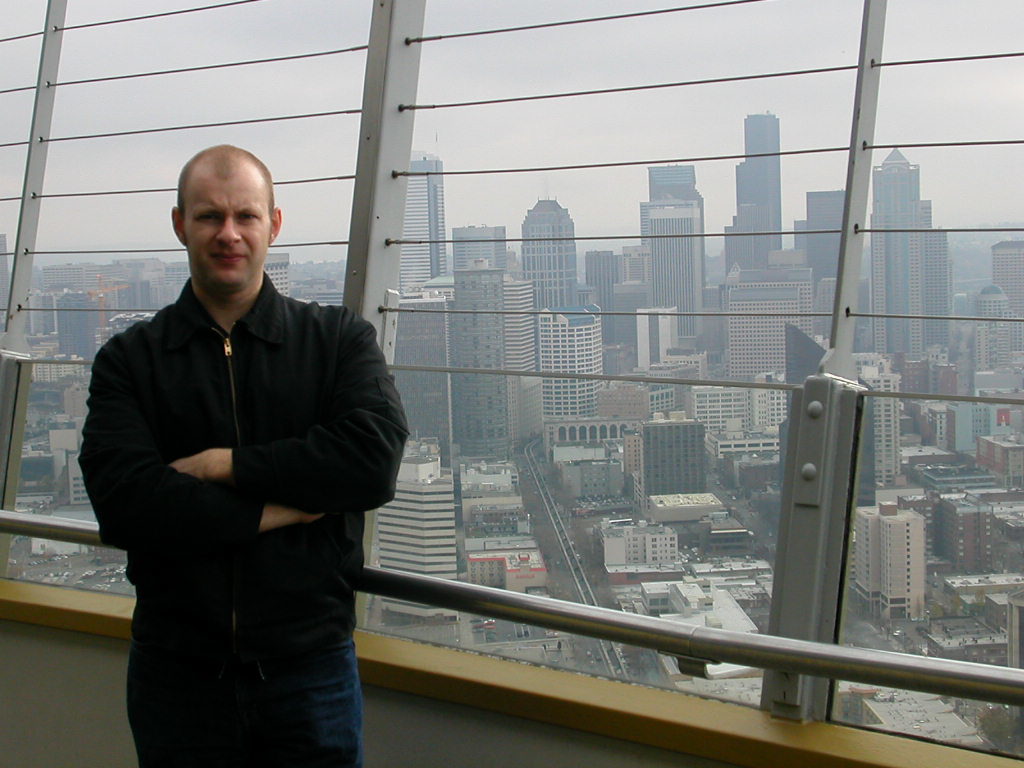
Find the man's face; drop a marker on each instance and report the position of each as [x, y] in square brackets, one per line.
[226, 227]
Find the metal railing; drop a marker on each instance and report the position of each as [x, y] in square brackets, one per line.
[694, 646]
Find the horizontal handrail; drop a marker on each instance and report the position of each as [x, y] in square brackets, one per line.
[983, 682]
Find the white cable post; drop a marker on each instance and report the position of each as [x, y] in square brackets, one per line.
[15, 318]
[378, 199]
[15, 375]
[839, 359]
[385, 145]
[819, 485]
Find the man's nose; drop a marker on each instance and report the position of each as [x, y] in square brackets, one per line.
[228, 230]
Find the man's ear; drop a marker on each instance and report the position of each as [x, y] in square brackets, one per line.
[178, 222]
[276, 219]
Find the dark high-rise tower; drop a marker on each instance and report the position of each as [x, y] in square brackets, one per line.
[423, 340]
[758, 195]
[480, 418]
[550, 264]
[824, 211]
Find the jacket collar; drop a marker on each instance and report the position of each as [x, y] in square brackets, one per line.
[265, 320]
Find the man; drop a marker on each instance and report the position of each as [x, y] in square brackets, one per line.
[232, 445]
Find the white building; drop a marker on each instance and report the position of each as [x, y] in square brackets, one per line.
[639, 544]
[757, 337]
[570, 343]
[719, 408]
[424, 221]
[889, 561]
[876, 372]
[416, 530]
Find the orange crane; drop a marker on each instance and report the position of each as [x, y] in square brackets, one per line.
[100, 294]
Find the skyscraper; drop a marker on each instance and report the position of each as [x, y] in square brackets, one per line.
[992, 341]
[824, 211]
[480, 420]
[426, 396]
[758, 195]
[550, 264]
[757, 341]
[416, 530]
[888, 565]
[1008, 272]
[570, 343]
[673, 457]
[424, 221]
[677, 264]
[910, 271]
[472, 243]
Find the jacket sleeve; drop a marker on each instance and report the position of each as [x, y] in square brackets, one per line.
[348, 463]
[139, 501]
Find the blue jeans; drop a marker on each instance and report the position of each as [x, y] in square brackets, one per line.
[301, 711]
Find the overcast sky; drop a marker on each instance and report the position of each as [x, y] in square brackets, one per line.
[946, 102]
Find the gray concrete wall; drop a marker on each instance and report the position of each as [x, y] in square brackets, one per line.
[62, 704]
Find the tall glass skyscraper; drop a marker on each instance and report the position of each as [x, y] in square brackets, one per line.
[675, 207]
[424, 221]
[910, 271]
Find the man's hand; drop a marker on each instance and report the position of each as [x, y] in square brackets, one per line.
[212, 466]
[278, 516]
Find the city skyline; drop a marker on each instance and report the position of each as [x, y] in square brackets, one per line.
[814, 112]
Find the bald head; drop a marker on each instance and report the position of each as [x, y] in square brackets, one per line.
[223, 160]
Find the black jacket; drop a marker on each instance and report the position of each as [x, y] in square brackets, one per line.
[314, 420]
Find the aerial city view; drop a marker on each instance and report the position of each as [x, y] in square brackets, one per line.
[637, 486]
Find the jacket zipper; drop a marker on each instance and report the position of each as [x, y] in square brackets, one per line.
[236, 562]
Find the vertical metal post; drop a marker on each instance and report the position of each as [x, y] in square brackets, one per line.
[385, 143]
[378, 200]
[15, 380]
[15, 374]
[819, 487]
[16, 318]
[839, 360]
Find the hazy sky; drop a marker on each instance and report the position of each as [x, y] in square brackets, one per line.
[945, 102]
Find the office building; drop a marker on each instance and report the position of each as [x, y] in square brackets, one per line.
[423, 339]
[824, 212]
[677, 263]
[278, 269]
[602, 270]
[570, 342]
[910, 271]
[758, 196]
[470, 244]
[672, 457]
[888, 566]
[655, 335]
[77, 324]
[884, 414]
[762, 298]
[993, 342]
[1008, 272]
[480, 420]
[549, 254]
[416, 530]
[424, 222]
